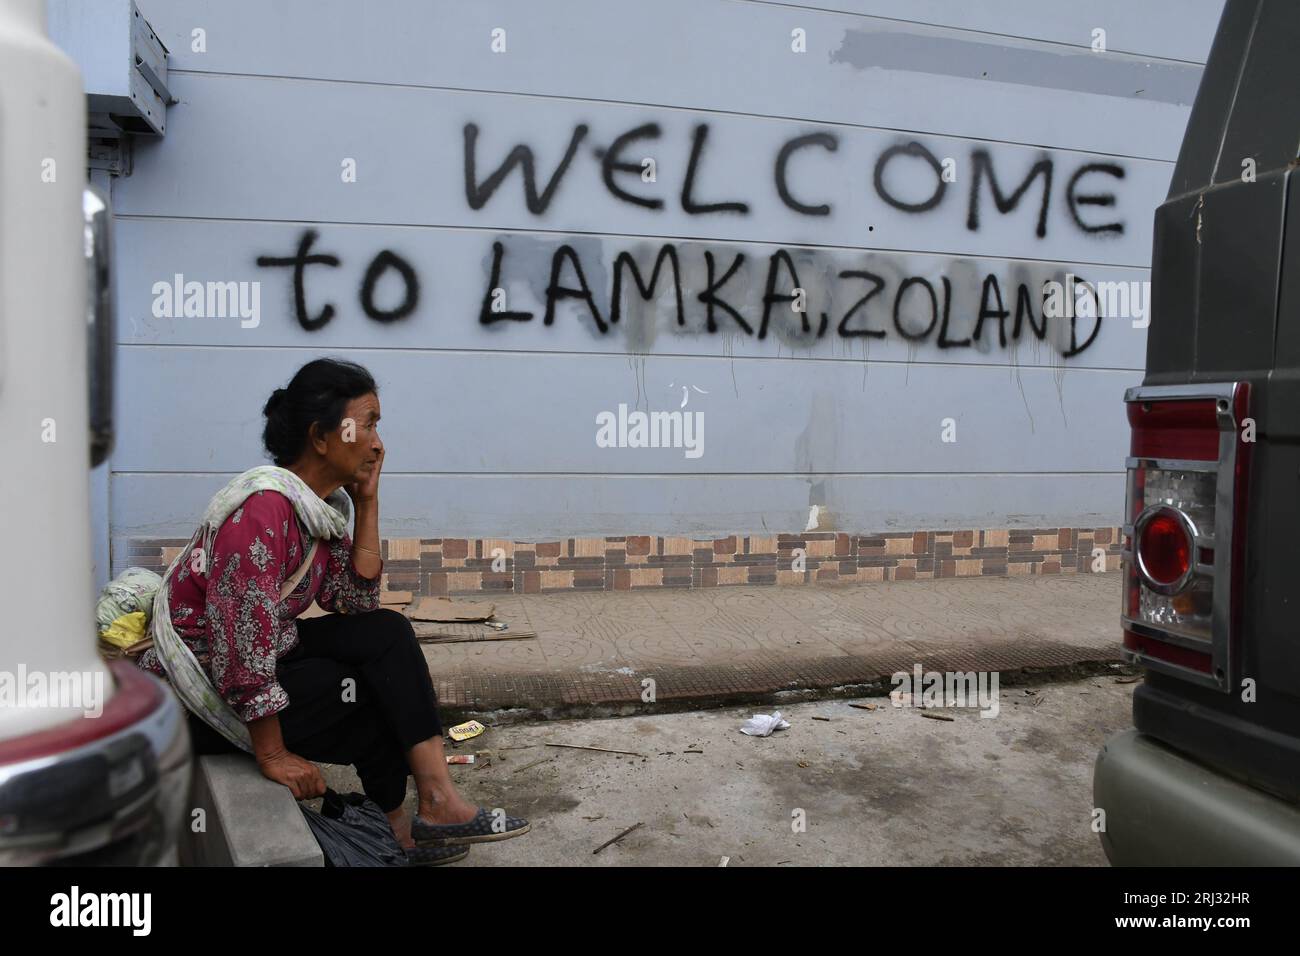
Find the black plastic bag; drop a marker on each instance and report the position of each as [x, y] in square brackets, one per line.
[353, 831]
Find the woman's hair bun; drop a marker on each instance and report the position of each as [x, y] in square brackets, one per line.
[272, 403]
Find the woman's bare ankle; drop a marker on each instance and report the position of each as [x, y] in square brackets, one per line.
[401, 825]
[446, 808]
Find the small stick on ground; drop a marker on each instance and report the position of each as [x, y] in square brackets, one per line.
[635, 826]
[603, 750]
[934, 716]
[534, 764]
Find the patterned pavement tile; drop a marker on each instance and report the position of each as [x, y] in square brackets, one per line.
[595, 647]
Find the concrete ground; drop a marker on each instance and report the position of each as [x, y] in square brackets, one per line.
[882, 787]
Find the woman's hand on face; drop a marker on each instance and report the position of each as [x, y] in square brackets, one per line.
[368, 487]
[302, 777]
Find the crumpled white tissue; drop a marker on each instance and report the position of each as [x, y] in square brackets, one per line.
[762, 725]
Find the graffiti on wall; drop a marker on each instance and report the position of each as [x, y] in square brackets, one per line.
[911, 159]
[796, 294]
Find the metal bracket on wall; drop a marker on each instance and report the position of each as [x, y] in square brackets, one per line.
[155, 81]
[110, 152]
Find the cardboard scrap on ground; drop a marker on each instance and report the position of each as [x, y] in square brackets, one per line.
[388, 598]
[464, 631]
[445, 610]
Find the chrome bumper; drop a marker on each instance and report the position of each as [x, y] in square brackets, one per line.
[116, 800]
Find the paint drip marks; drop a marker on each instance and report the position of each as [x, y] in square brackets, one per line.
[1019, 275]
[729, 352]
[1058, 379]
[637, 364]
[1061, 332]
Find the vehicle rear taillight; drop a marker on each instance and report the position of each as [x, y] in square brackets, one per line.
[1164, 549]
[1186, 491]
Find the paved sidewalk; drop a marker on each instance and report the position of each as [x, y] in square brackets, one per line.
[721, 645]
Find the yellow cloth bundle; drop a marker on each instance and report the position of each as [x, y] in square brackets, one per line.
[125, 630]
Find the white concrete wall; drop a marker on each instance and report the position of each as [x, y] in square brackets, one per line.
[491, 427]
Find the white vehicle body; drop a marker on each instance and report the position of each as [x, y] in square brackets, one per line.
[94, 758]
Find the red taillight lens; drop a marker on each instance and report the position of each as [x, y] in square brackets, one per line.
[1164, 549]
[1187, 430]
[1170, 653]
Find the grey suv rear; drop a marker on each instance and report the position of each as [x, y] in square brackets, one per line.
[1211, 772]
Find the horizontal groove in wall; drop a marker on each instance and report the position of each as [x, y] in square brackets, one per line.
[776, 117]
[535, 353]
[656, 237]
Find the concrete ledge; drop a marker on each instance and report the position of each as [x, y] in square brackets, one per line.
[503, 698]
[249, 820]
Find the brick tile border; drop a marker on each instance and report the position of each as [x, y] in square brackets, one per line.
[632, 562]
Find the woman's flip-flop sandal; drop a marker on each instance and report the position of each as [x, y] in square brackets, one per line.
[484, 828]
[435, 855]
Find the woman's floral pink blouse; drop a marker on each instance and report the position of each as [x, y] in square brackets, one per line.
[230, 614]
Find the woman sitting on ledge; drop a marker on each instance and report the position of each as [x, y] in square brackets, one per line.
[351, 687]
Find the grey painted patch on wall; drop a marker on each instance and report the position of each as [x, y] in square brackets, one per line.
[1103, 74]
